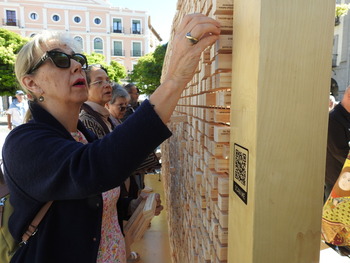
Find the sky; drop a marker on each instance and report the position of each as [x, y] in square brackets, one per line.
[161, 11]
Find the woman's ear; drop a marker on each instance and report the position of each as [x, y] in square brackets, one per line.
[29, 82]
[107, 105]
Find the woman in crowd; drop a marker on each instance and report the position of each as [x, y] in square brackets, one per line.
[60, 160]
[97, 119]
[118, 104]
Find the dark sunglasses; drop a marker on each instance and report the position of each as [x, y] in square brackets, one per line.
[61, 60]
[123, 108]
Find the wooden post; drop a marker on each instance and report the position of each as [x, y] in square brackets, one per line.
[280, 87]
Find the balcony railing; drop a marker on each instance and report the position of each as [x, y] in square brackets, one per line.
[118, 52]
[136, 31]
[334, 60]
[136, 53]
[10, 22]
[118, 30]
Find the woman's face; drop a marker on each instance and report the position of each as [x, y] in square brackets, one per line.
[59, 86]
[100, 89]
[118, 108]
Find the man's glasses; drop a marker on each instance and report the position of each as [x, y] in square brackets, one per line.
[61, 60]
[102, 83]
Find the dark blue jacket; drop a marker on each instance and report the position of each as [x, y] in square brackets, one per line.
[43, 162]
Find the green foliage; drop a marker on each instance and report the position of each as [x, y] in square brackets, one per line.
[341, 10]
[148, 70]
[96, 58]
[10, 44]
[115, 70]
[9, 38]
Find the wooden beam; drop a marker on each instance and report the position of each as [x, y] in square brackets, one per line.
[280, 88]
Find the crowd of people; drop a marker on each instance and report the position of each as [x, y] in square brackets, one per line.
[85, 139]
[78, 151]
[107, 106]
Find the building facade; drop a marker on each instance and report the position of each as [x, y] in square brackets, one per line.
[341, 55]
[119, 34]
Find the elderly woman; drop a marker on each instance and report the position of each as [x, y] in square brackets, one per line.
[97, 119]
[94, 115]
[118, 104]
[61, 161]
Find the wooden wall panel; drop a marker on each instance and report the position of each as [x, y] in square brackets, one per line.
[260, 92]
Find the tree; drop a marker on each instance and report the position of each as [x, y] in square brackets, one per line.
[10, 44]
[340, 10]
[115, 70]
[148, 70]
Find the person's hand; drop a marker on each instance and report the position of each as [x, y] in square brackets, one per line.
[159, 207]
[186, 53]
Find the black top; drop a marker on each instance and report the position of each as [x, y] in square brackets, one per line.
[337, 143]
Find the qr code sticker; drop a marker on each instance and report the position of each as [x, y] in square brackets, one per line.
[241, 166]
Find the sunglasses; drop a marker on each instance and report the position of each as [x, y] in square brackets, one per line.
[123, 108]
[61, 60]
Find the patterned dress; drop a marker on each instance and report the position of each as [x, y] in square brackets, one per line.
[112, 245]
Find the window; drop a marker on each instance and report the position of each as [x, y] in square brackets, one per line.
[56, 18]
[97, 20]
[11, 18]
[118, 48]
[77, 19]
[79, 42]
[117, 25]
[136, 49]
[33, 16]
[136, 27]
[98, 45]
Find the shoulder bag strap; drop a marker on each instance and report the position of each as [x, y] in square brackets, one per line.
[33, 227]
[3, 190]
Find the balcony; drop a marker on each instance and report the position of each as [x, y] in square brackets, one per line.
[136, 53]
[334, 60]
[10, 22]
[135, 31]
[118, 52]
[118, 30]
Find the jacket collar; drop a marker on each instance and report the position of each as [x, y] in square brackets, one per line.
[40, 115]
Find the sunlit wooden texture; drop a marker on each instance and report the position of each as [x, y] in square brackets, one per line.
[280, 88]
[196, 158]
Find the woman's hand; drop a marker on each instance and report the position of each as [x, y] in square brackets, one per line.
[195, 33]
[185, 53]
[159, 207]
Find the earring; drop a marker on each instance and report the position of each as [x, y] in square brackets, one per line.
[41, 99]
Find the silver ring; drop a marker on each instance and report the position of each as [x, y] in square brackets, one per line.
[192, 39]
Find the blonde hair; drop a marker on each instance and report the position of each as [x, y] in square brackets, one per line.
[31, 52]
